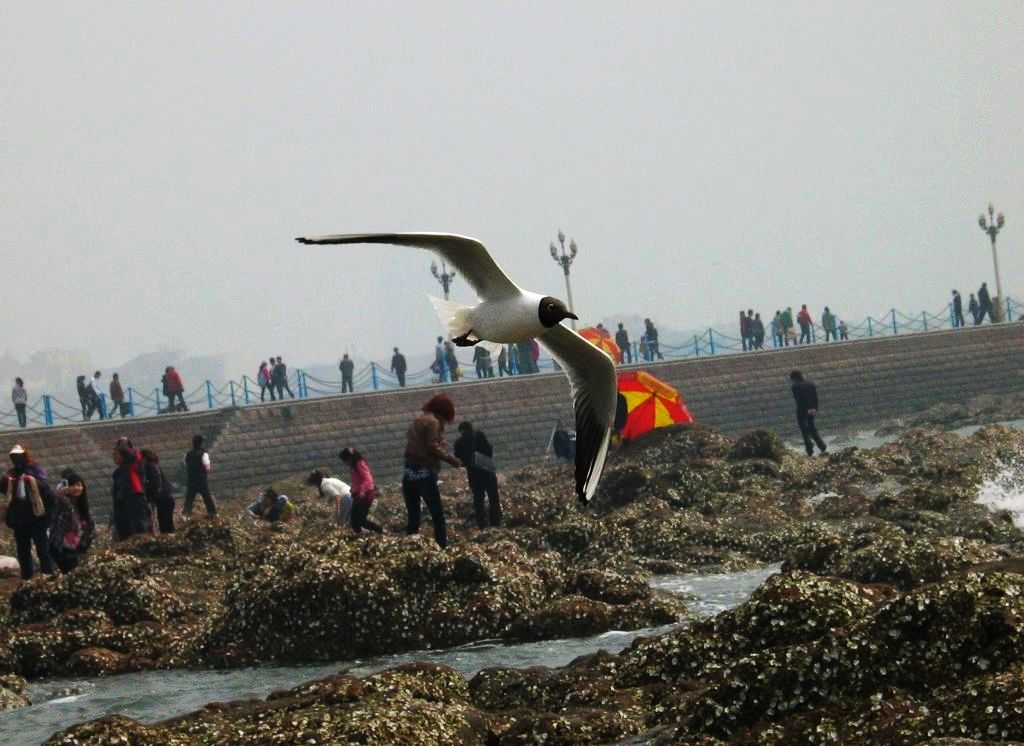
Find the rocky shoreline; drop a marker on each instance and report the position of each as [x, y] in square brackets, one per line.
[896, 619]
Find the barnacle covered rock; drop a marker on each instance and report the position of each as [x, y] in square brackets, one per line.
[758, 444]
[12, 692]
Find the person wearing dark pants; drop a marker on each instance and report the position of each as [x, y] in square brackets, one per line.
[473, 449]
[806, 395]
[958, 310]
[158, 491]
[398, 367]
[424, 452]
[26, 504]
[347, 367]
[363, 491]
[197, 467]
[131, 515]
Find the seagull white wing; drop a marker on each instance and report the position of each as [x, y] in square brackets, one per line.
[594, 391]
[467, 255]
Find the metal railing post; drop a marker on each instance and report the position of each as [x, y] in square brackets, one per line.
[711, 341]
[103, 406]
[373, 374]
[156, 395]
[47, 410]
[231, 386]
[871, 329]
[924, 320]
[895, 329]
[952, 318]
[245, 389]
[1009, 310]
[696, 346]
[131, 401]
[209, 394]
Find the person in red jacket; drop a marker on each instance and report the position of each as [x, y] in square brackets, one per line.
[130, 509]
[804, 320]
[173, 386]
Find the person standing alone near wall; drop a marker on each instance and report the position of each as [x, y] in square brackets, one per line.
[398, 367]
[806, 395]
[346, 366]
[958, 309]
[477, 455]
[197, 469]
[19, 398]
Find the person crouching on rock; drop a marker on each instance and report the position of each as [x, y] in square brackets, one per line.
[272, 507]
[26, 503]
[424, 452]
[335, 490]
[72, 527]
[363, 490]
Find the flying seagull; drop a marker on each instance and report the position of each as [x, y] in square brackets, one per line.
[505, 314]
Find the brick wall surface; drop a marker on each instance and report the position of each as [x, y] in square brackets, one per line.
[860, 383]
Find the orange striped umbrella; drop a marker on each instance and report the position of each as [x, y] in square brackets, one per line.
[648, 403]
[602, 339]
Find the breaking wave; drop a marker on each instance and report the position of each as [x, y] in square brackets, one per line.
[1005, 491]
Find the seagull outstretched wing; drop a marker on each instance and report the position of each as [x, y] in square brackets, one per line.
[467, 255]
[594, 390]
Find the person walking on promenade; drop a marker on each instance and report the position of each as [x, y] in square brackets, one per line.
[844, 330]
[364, 491]
[806, 395]
[128, 490]
[334, 490]
[158, 490]
[174, 387]
[652, 340]
[786, 319]
[828, 325]
[424, 452]
[197, 470]
[279, 376]
[19, 398]
[264, 380]
[84, 399]
[758, 332]
[622, 340]
[454, 369]
[398, 367]
[477, 455]
[804, 319]
[744, 331]
[117, 402]
[958, 310]
[504, 369]
[974, 309]
[482, 362]
[985, 304]
[347, 367]
[26, 504]
[71, 528]
[777, 330]
[97, 394]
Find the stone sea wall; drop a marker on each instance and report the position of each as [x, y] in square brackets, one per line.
[861, 383]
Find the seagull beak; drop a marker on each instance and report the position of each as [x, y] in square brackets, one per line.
[570, 315]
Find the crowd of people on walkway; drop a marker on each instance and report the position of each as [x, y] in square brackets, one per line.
[980, 307]
[58, 522]
[783, 328]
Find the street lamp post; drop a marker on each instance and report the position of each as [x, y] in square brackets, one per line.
[565, 260]
[444, 276]
[992, 226]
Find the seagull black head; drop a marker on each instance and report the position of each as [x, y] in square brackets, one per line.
[552, 310]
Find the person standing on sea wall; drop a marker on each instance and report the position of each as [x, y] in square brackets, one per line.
[806, 395]
[19, 398]
[347, 367]
[958, 309]
[398, 367]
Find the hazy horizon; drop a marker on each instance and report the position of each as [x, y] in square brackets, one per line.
[705, 158]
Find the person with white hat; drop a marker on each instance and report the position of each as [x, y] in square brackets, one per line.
[26, 503]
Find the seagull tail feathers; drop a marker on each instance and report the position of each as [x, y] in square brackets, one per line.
[452, 315]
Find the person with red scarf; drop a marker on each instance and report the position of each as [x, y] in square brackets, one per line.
[131, 512]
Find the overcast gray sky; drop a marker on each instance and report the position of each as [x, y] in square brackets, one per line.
[158, 159]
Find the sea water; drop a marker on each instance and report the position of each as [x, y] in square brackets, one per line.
[151, 696]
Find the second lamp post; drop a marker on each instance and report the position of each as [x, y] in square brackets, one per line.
[565, 259]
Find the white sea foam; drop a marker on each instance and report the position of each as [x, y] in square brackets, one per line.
[1005, 491]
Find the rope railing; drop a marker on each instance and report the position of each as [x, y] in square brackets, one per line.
[48, 410]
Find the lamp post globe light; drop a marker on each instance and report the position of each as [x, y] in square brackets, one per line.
[565, 260]
[444, 276]
[992, 226]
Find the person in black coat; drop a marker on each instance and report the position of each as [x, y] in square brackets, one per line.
[482, 477]
[806, 395]
[958, 309]
[26, 503]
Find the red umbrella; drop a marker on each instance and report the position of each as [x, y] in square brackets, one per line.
[649, 403]
[602, 339]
